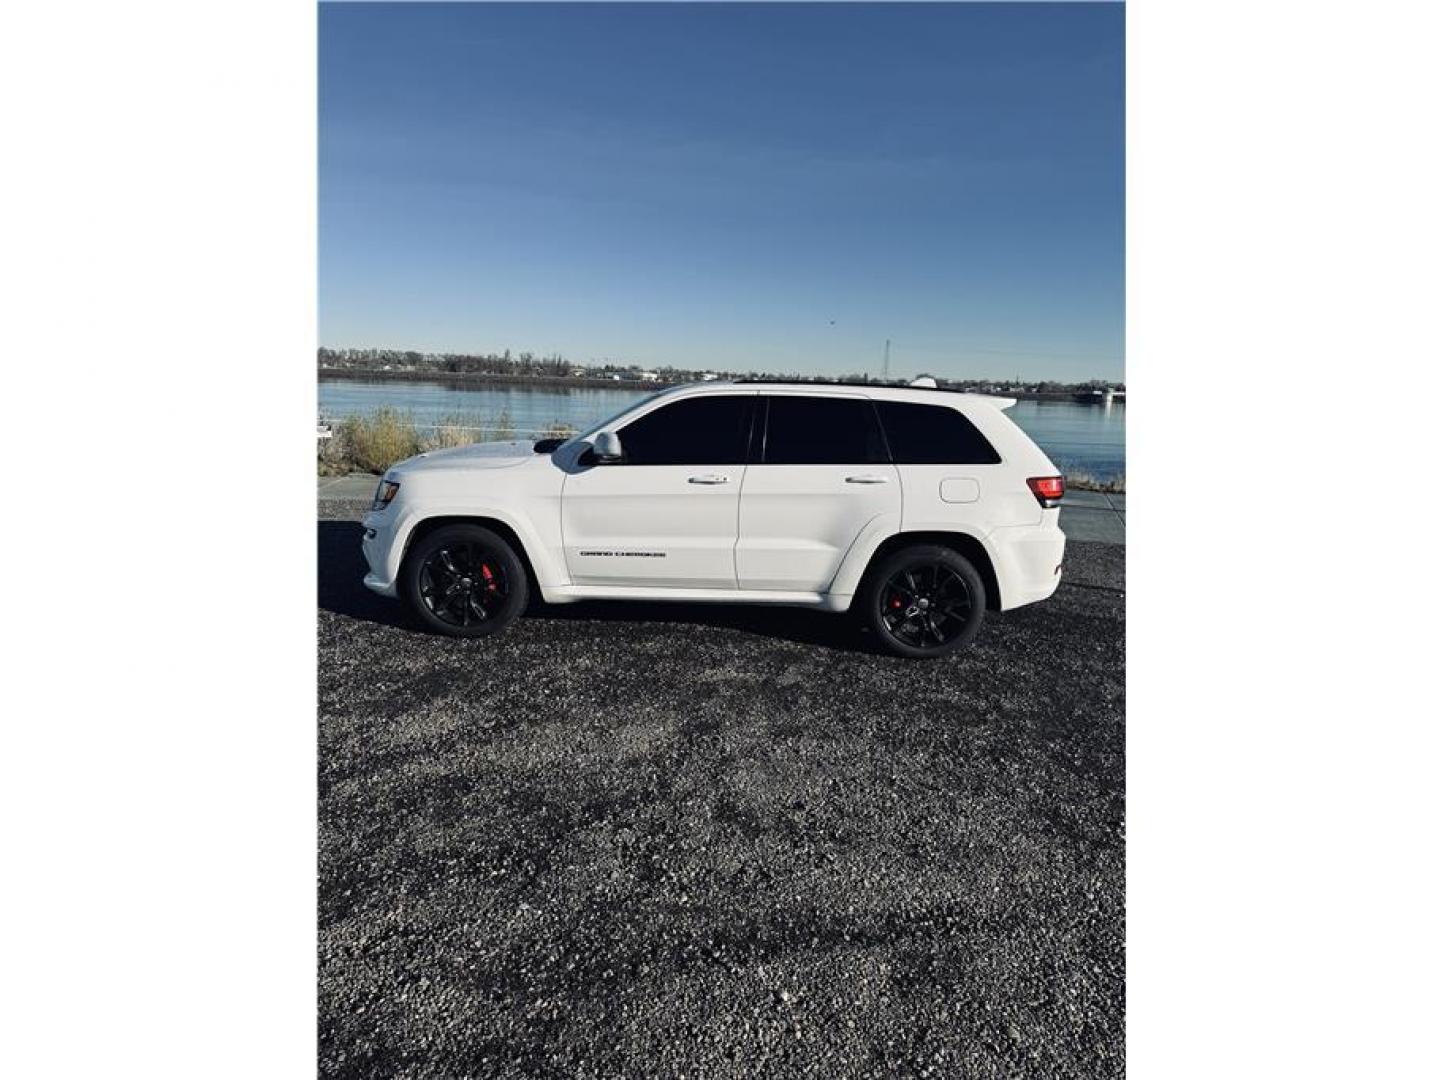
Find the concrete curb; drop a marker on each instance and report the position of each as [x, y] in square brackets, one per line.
[349, 488]
[1094, 517]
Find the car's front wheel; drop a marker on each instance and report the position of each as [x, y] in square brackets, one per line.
[464, 581]
[924, 601]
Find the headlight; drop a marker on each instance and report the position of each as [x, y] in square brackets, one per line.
[385, 492]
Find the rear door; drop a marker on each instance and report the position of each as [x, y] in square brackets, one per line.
[666, 515]
[819, 476]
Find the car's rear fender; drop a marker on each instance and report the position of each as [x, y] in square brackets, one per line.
[970, 544]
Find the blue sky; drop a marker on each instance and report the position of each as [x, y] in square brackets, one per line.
[768, 187]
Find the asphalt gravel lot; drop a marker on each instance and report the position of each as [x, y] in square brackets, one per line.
[658, 840]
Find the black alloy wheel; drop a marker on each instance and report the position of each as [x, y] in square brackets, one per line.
[465, 581]
[459, 586]
[925, 602]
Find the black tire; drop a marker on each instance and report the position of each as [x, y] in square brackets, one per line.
[924, 602]
[464, 581]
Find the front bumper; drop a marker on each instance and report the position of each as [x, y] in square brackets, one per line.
[377, 539]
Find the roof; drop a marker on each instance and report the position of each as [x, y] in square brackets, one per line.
[872, 390]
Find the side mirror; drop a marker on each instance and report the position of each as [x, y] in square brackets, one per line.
[607, 446]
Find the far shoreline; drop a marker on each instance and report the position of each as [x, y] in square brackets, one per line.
[471, 380]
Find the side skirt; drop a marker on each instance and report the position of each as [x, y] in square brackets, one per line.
[570, 594]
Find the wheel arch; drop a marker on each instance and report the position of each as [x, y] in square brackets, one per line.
[426, 526]
[965, 544]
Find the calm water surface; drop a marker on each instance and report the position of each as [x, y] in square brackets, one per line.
[1079, 438]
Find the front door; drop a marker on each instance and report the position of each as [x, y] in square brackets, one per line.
[823, 477]
[666, 515]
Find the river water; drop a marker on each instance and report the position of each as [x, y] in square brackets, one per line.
[1081, 439]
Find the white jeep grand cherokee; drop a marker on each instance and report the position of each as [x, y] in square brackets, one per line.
[915, 508]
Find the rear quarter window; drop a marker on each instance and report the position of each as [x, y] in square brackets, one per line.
[933, 435]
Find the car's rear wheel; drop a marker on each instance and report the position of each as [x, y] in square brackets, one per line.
[464, 581]
[924, 601]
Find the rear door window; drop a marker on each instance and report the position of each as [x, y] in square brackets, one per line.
[822, 431]
[933, 435]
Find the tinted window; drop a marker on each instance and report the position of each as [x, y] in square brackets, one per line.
[698, 431]
[822, 431]
[933, 435]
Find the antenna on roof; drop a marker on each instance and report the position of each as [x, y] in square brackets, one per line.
[925, 381]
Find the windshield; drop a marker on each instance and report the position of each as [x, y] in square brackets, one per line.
[591, 429]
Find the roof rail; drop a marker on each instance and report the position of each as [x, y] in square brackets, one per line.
[772, 381]
[995, 400]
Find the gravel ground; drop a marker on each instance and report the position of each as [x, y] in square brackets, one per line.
[656, 840]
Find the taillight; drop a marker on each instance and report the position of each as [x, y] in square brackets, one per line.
[1048, 489]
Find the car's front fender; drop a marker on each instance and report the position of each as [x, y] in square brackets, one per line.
[542, 552]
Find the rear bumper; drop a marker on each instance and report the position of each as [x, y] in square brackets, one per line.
[1028, 562]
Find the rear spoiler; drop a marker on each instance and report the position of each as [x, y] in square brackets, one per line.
[995, 402]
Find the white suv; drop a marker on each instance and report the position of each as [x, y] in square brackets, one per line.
[915, 508]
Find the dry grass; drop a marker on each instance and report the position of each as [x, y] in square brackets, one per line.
[463, 429]
[1082, 481]
[374, 443]
[557, 430]
[369, 443]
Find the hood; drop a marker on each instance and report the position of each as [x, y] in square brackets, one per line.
[489, 455]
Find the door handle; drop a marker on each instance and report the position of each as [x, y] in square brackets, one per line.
[710, 478]
[867, 478]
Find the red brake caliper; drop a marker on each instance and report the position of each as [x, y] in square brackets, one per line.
[488, 577]
[895, 602]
